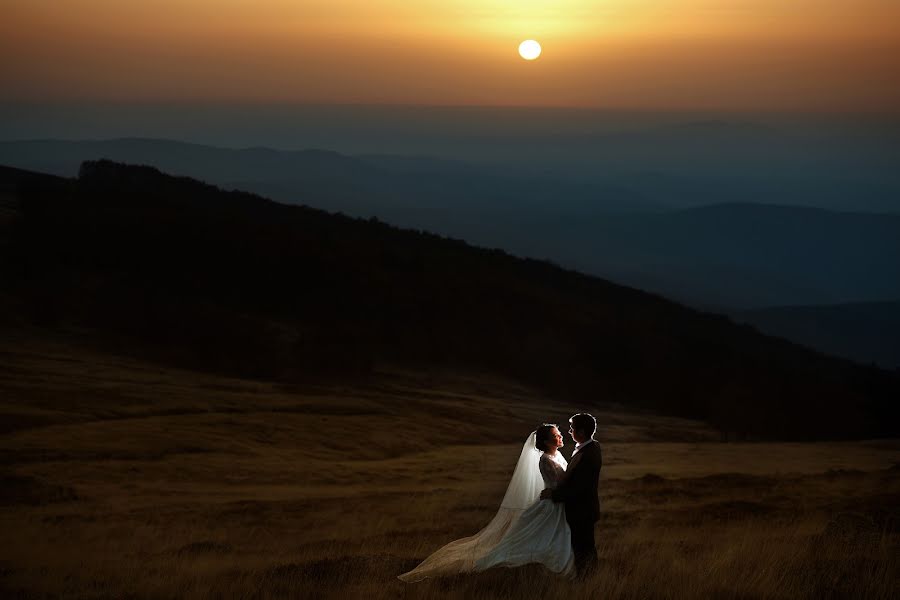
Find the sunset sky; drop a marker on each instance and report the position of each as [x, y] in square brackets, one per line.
[815, 55]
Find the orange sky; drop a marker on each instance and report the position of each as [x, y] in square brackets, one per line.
[841, 55]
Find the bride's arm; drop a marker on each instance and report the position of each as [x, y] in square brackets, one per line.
[551, 470]
[546, 467]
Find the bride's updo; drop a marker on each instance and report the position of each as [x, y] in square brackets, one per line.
[542, 435]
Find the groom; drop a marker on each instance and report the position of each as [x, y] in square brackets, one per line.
[578, 490]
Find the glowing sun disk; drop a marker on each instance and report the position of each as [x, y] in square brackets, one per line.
[529, 49]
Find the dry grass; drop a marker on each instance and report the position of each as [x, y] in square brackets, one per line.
[121, 479]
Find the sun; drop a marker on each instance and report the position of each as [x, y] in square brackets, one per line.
[529, 49]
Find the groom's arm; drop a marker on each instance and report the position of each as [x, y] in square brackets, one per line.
[576, 482]
[566, 489]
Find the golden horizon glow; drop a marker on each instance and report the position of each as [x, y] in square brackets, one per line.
[741, 54]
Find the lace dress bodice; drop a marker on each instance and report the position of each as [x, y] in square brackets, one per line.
[552, 469]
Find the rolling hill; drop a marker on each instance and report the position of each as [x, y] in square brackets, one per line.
[178, 271]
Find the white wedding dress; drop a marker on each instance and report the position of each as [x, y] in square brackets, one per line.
[524, 530]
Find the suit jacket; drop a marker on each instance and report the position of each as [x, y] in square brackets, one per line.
[578, 489]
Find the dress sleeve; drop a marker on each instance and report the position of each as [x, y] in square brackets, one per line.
[550, 470]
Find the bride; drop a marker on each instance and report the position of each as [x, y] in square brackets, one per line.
[525, 529]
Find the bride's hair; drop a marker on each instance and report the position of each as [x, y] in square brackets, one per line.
[542, 435]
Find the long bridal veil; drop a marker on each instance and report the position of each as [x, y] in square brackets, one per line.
[460, 556]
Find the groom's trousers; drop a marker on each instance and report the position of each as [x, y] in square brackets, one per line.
[584, 547]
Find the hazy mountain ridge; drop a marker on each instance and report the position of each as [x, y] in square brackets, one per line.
[864, 332]
[187, 274]
[407, 180]
[733, 255]
[743, 255]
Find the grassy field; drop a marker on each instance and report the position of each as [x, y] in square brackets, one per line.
[122, 479]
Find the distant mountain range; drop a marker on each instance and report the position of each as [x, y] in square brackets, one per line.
[675, 159]
[390, 187]
[866, 333]
[747, 255]
[181, 272]
[726, 256]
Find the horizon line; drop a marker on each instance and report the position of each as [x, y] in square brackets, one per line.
[237, 103]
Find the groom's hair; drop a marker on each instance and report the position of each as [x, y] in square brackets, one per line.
[584, 423]
[542, 435]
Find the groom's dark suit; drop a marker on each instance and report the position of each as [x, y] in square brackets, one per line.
[578, 490]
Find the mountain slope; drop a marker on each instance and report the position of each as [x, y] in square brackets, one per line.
[182, 272]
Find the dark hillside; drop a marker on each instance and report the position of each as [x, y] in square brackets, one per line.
[181, 272]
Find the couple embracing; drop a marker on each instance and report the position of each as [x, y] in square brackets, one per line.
[547, 515]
